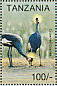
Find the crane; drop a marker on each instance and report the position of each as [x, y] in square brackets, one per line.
[34, 41]
[13, 40]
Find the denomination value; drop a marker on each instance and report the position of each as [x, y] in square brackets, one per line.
[39, 76]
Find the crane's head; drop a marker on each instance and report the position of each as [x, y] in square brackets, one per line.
[37, 20]
[30, 60]
[31, 56]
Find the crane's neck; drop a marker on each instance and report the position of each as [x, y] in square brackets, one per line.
[23, 54]
[37, 27]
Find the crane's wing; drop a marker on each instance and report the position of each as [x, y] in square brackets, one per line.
[12, 38]
[15, 41]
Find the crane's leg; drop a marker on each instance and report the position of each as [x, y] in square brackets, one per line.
[40, 57]
[10, 56]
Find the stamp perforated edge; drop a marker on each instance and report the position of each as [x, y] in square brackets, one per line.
[1, 1]
[29, 0]
[0, 41]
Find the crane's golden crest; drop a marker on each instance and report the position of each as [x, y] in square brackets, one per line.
[37, 16]
[31, 55]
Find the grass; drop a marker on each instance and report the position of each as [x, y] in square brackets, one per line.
[22, 61]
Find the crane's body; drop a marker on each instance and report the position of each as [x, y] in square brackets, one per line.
[35, 40]
[11, 40]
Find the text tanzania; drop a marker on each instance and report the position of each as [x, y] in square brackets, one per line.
[28, 8]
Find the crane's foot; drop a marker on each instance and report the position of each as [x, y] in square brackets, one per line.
[11, 66]
[41, 65]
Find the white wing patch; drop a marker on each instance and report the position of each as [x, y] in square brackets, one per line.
[20, 39]
[29, 46]
[5, 41]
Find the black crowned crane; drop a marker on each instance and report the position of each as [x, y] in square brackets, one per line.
[35, 41]
[11, 40]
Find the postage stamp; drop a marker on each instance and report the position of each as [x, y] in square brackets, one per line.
[28, 41]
